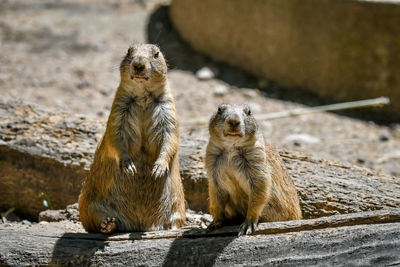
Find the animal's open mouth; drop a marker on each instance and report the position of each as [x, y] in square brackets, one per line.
[232, 134]
[139, 77]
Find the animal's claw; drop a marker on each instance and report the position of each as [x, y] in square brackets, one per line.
[126, 165]
[247, 227]
[159, 170]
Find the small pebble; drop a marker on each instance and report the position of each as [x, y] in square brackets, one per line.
[205, 73]
[220, 90]
[250, 93]
[82, 84]
[72, 89]
[297, 139]
[26, 222]
[106, 91]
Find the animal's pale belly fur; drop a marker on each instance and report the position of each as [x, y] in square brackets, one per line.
[237, 189]
[138, 195]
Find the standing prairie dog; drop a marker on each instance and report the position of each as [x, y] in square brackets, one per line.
[247, 179]
[134, 182]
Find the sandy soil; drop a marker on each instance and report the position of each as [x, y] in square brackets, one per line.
[65, 54]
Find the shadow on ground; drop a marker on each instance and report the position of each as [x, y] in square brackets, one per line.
[181, 56]
[76, 249]
[199, 251]
[193, 249]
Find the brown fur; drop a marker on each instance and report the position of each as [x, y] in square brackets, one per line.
[134, 182]
[247, 178]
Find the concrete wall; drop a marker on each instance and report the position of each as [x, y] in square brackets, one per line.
[343, 49]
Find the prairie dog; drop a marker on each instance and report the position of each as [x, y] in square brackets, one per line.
[134, 182]
[247, 179]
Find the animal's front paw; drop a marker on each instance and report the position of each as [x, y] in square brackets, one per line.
[247, 227]
[126, 166]
[108, 225]
[160, 169]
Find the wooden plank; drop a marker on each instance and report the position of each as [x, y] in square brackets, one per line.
[376, 241]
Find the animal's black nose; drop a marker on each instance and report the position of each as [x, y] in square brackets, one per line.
[138, 67]
[234, 122]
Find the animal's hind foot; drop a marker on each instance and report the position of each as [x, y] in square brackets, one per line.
[108, 225]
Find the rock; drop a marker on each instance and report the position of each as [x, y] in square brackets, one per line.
[51, 216]
[205, 73]
[82, 84]
[324, 46]
[220, 90]
[367, 238]
[303, 138]
[360, 161]
[250, 93]
[71, 213]
[55, 167]
[197, 219]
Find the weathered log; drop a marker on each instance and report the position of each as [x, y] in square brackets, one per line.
[349, 239]
[44, 155]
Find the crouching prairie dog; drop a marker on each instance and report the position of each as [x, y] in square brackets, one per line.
[247, 179]
[134, 182]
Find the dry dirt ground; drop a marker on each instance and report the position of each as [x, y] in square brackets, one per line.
[64, 54]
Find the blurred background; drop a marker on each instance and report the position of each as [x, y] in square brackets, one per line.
[273, 55]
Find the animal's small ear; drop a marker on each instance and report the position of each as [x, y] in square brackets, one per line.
[222, 108]
[156, 54]
[247, 110]
[130, 51]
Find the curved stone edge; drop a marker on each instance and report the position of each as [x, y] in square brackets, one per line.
[326, 47]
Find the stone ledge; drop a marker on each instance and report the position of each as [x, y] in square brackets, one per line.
[44, 155]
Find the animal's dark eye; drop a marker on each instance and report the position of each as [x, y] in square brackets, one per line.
[156, 54]
[247, 111]
[219, 110]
